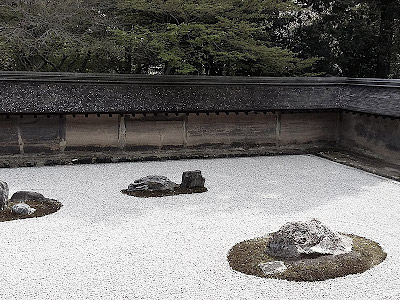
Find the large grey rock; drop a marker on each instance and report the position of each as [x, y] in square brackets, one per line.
[22, 196]
[191, 179]
[22, 209]
[152, 183]
[296, 239]
[3, 195]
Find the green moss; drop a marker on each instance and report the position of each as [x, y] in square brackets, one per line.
[44, 207]
[246, 256]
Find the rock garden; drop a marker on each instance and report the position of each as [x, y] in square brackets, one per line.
[305, 251]
[24, 204]
[107, 245]
[159, 186]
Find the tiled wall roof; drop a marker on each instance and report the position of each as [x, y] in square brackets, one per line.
[47, 93]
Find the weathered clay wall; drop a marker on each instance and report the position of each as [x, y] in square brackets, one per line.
[9, 135]
[28, 133]
[91, 131]
[375, 136]
[233, 129]
[315, 129]
[140, 132]
[276, 131]
[58, 112]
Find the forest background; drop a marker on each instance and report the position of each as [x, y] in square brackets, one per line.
[353, 38]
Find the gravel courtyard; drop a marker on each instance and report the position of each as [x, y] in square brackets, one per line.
[106, 245]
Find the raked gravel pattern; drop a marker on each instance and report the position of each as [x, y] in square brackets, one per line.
[106, 245]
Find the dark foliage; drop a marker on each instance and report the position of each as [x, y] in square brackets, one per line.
[355, 38]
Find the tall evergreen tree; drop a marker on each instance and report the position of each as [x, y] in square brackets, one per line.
[355, 38]
[48, 35]
[207, 37]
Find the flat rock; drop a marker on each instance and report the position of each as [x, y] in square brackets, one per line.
[3, 195]
[22, 209]
[192, 179]
[295, 240]
[22, 196]
[152, 183]
[272, 267]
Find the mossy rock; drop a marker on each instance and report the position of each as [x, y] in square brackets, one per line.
[177, 191]
[246, 256]
[43, 207]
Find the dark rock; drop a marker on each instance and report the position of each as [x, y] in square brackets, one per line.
[152, 183]
[22, 209]
[191, 179]
[23, 196]
[3, 195]
[298, 239]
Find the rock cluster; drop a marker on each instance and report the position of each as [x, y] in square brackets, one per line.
[18, 200]
[190, 180]
[305, 251]
[307, 239]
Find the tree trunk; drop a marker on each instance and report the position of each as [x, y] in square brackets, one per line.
[128, 60]
[167, 68]
[385, 49]
[138, 68]
[85, 62]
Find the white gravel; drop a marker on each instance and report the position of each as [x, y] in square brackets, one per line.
[106, 245]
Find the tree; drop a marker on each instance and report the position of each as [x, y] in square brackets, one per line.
[49, 35]
[389, 11]
[355, 38]
[206, 37]
[232, 37]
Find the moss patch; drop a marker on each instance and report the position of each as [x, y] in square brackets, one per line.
[177, 191]
[246, 256]
[43, 207]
